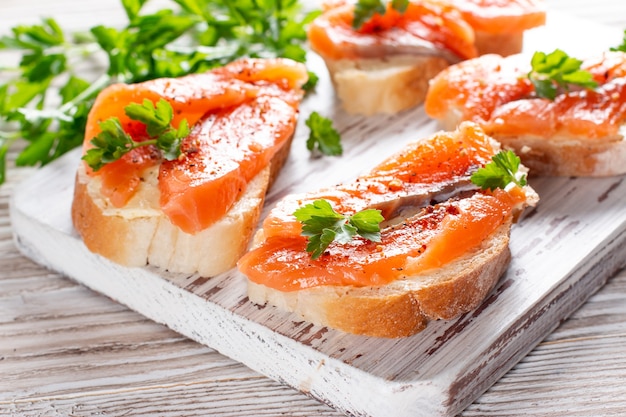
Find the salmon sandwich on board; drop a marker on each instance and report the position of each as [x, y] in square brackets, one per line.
[562, 116]
[380, 58]
[175, 171]
[422, 236]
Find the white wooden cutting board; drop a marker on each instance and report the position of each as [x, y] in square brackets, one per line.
[563, 251]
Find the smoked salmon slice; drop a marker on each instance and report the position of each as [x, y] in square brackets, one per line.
[458, 29]
[446, 224]
[221, 155]
[495, 92]
[475, 88]
[580, 132]
[239, 114]
[425, 28]
[417, 174]
[501, 16]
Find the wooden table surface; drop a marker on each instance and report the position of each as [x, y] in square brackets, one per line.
[67, 351]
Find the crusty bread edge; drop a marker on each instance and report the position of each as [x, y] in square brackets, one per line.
[389, 85]
[403, 307]
[150, 238]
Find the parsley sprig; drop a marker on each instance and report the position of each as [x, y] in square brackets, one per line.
[188, 36]
[365, 9]
[500, 172]
[323, 225]
[557, 71]
[323, 137]
[113, 142]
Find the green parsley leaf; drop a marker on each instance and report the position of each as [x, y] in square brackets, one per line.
[400, 5]
[311, 82]
[557, 71]
[113, 142]
[365, 9]
[621, 47]
[503, 170]
[323, 225]
[323, 137]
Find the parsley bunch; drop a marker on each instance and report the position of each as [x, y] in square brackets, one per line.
[557, 70]
[192, 37]
[323, 225]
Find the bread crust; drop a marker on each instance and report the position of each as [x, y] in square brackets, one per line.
[405, 306]
[136, 240]
[140, 234]
[383, 85]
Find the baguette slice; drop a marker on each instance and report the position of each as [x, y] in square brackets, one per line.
[403, 307]
[384, 67]
[580, 133]
[195, 213]
[443, 246]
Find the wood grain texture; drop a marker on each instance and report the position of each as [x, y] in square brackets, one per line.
[67, 351]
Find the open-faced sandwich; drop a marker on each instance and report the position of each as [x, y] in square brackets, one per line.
[175, 171]
[422, 236]
[381, 61]
[562, 116]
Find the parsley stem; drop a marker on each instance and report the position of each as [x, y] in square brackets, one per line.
[87, 93]
[135, 145]
[70, 49]
[9, 137]
[6, 141]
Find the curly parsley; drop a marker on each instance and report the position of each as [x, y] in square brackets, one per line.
[323, 225]
[557, 71]
[113, 142]
[500, 172]
[323, 137]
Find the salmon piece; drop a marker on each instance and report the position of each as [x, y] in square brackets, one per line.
[425, 28]
[495, 92]
[203, 100]
[436, 235]
[191, 97]
[475, 88]
[224, 152]
[580, 114]
[412, 177]
[501, 16]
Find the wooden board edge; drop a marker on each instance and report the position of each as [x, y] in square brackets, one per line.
[547, 314]
[326, 379]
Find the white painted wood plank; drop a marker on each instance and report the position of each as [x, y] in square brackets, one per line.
[579, 223]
